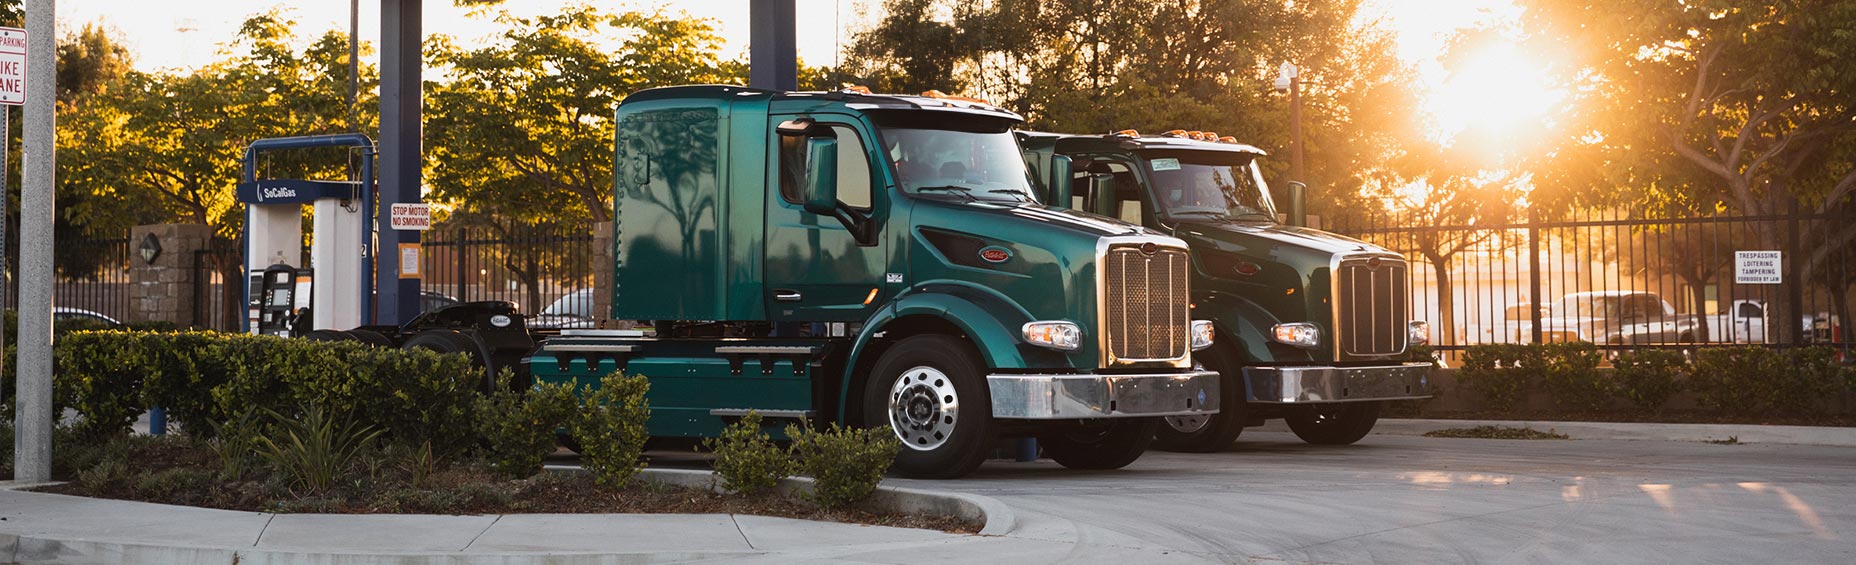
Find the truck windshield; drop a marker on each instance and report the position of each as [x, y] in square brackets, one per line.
[1214, 184]
[981, 165]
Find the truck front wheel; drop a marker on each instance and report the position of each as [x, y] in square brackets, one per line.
[1334, 424]
[931, 391]
[1100, 444]
[1205, 433]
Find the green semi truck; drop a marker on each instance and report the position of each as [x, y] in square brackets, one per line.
[883, 260]
[1312, 327]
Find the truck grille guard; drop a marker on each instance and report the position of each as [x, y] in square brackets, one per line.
[1144, 308]
[1371, 305]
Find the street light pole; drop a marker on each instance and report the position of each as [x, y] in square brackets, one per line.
[33, 417]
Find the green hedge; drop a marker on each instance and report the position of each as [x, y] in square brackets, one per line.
[1739, 381]
[204, 378]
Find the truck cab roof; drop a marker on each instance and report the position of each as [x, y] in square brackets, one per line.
[1080, 142]
[851, 99]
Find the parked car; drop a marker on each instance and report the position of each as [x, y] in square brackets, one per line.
[65, 314]
[1616, 317]
[573, 310]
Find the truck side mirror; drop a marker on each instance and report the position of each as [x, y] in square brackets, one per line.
[1060, 189]
[1103, 187]
[1298, 214]
[821, 195]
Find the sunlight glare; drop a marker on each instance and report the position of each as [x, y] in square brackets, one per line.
[1499, 91]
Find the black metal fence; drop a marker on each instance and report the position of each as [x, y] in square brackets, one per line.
[534, 268]
[92, 278]
[1624, 281]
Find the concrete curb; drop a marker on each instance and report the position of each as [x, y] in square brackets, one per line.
[996, 516]
[29, 548]
[1784, 435]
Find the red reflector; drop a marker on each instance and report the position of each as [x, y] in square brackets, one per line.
[1247, 268]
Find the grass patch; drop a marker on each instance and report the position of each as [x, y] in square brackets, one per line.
[1497, 432]
[1731, 440]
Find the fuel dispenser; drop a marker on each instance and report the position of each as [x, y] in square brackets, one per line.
[284, 297]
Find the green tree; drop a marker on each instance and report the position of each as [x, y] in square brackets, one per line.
[520, 132]
[1738, 106]
[1086, 66]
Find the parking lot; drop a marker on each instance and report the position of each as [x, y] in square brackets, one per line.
[1422, 500]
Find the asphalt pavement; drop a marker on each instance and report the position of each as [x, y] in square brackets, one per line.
[1270, 499]
[1393, 499]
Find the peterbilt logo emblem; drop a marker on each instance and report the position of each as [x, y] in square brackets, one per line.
[1374, 263]
[276, 192]
[995, 254]
[1149, 248]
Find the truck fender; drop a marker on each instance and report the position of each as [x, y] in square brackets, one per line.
[1244, 327]
[991, 322]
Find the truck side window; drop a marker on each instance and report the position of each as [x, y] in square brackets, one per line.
[1129, 208]
[853, 168]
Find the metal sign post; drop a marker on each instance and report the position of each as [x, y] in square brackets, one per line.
[12, 93]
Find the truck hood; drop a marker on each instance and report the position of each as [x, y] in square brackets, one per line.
[1259, 238]
[1085, 222]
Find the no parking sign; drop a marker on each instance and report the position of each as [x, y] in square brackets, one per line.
[12, 66]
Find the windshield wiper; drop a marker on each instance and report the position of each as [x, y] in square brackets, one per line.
[1027, 195]
[966, 191]
[1212, 213]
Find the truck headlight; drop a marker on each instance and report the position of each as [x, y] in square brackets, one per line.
[1201, 334]
[1418, 332]
[1066, 336]
[1299, 334]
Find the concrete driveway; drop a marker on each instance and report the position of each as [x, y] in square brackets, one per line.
[1419, 500]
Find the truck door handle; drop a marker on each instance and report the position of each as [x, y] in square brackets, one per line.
[785, 295]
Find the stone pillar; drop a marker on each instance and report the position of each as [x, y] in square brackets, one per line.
[164, 290]
[602, 274]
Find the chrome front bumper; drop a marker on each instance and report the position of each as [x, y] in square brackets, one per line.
[1300, 385]
[1070, 397]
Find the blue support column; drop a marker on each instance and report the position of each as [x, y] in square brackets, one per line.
[773, 55]
[397, 299]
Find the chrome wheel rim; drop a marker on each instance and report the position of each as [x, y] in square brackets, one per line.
[1188, 424]
[923, 408]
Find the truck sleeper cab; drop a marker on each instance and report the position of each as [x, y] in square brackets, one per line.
[1312, 327]
[881, 260]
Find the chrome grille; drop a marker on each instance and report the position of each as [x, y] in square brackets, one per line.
[1146, 313]
[1372, 306]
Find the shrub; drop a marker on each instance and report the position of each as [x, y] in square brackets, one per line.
[235, 442]
[1811, 379]
[412, 396]
[1570, 372]
[519, 425]
[1733, 380]
[175, 485]
[747, 459]
[610, 428]
[101, 372]
[314, 450]
[845, 463]
[1647, 378]
[1500, 373]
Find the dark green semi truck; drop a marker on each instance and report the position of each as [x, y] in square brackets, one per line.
[1312, 327]
[882, 260]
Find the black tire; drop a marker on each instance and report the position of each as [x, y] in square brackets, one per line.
[372, 337]
[1103, 444]
[1214, 432]
[918, 375]
[1337, 424]
[329, 335]
[453, 341]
